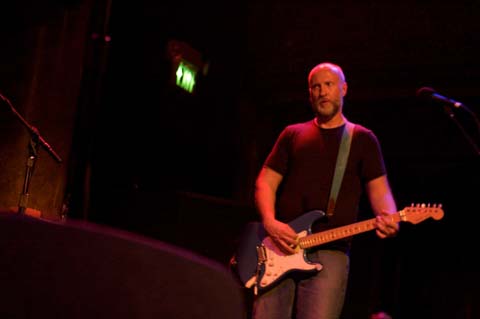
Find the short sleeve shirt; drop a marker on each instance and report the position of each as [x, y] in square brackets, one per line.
[305, 155]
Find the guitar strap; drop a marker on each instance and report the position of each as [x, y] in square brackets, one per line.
[342, 159]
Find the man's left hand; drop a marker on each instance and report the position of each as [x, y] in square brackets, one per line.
[386, 226]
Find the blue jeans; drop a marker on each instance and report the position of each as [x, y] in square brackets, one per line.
[320, 296]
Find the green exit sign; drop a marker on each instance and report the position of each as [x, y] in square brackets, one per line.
[185, 76]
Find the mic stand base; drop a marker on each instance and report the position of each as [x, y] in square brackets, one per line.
[23, 201]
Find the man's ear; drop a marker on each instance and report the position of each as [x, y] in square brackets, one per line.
[344, 88]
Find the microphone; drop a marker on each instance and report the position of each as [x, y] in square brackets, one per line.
[430, 93]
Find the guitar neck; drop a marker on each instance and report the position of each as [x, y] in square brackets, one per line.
[330, 235]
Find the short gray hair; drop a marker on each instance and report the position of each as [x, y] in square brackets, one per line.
[335, 68]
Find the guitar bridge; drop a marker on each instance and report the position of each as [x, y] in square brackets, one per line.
[261, 259]
[261, 255]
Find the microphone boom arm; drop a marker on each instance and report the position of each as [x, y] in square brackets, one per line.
[35, 140]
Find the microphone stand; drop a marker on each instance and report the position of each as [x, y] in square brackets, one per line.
[36, 140]
[468, 137]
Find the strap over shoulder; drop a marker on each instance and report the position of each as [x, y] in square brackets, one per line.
[341, 164]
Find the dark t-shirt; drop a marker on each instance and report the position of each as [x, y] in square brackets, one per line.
[306, 156]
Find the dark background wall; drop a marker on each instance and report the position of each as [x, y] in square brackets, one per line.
[142, 155]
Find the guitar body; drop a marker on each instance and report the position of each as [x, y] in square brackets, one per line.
[259, 262]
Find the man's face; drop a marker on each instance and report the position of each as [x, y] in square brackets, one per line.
[327, 90]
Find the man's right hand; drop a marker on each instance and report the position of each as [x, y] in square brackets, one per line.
[282, 235]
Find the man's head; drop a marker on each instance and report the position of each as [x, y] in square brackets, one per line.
[327, 87]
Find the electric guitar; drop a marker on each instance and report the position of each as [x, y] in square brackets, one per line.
[259, 263]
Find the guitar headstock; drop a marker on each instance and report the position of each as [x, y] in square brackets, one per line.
[419, 212]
